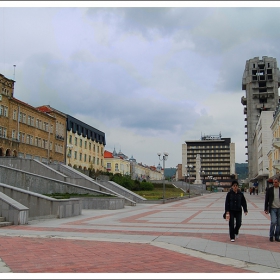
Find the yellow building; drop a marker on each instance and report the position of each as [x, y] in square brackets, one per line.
[119, 163]
[116, 164]
[27, 132]
[274, 153]
[85, 146]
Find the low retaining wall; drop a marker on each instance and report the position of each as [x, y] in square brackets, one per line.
[107, 203]
[13, 211]
[43, 207]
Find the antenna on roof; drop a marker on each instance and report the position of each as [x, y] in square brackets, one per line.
[14, 72]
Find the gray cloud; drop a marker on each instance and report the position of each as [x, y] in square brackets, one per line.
[154, 77]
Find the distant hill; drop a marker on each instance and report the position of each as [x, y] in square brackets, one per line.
[240, 168]
[170, 172]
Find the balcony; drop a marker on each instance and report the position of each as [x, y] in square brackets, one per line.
[276, 164]
[243, 100]
[276, 142]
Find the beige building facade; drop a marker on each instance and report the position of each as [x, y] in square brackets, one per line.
[274, 153]
[27, 132]
[85, 146]
[119, 163]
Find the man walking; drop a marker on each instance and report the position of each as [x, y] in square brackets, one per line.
[272, 206]
[235, 201]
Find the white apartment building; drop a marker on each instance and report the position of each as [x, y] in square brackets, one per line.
[262, 144]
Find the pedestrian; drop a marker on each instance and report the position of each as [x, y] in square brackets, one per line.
[235, 201]
[272, 206]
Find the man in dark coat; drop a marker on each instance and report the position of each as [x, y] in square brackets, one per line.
[235, 201]
[272, 206]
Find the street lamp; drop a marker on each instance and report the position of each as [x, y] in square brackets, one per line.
[211, 180]
[164, 158]
[203, 174]
[189, 167]
[69, 154]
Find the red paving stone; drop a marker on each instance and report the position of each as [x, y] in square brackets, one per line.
[58, 255]
[45, 255]
[247, 240]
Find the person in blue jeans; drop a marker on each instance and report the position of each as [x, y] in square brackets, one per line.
[272, 206]
[235, 201]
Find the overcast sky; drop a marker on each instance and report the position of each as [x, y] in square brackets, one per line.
[148, 77]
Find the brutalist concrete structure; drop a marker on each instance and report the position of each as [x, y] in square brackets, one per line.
[261, 80]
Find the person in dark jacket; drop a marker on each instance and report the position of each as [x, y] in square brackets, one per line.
[235, 201]
[272, 206]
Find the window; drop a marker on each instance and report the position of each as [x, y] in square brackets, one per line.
[70, 139]
[13, 134]
[81, 143]
[24, 118]
[97, 161]
[89, 158]
[32, 121]
[23, 137]
[89, 146]
[44, 144]
[85, 158]
[116, 167]
[81, 156]
[15, 115]
[75, 155]
[85, 144]
[29, 120]
[76, 141]
[5, 111]
[37, 123]
[3, 132]
[108, 165]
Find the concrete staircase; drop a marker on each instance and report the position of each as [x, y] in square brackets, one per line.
[3, 222]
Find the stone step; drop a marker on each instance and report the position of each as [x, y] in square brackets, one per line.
[3, 222]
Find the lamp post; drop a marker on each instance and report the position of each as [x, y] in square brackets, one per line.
[189, 167]
[202, 172]
[211, 180]
[164, 158]
[69, 154]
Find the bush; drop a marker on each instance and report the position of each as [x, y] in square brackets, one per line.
[146, 186]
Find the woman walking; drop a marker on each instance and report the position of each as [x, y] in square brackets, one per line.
[235, 201]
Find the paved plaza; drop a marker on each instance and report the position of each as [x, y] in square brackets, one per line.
[182, 237]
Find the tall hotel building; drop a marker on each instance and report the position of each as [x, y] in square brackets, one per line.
[261, 81]
[217, 160]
